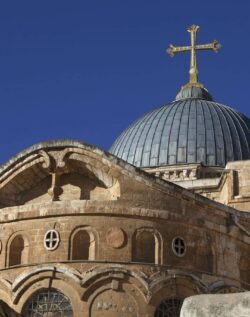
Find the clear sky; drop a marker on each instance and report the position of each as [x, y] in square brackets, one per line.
[86, 69]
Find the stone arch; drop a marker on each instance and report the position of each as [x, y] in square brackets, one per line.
[147, 246]
[29, 277]
[115, 291]
[172, 289]
[17, 250]
[229, 289]
[174, 278]
[48, 277]
[222, 287]
[83, 244]
[114, 275]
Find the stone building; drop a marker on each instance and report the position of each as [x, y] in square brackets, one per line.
[87, 233]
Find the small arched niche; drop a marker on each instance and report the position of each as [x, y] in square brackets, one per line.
[83, 244]
[18, 250]
[146, 247]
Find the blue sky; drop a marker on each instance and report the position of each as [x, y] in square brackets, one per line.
[86, 69]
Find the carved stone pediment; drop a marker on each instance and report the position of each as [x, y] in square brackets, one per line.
[71, 171]
[59, 172]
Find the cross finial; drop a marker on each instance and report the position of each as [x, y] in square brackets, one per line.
[193, 72]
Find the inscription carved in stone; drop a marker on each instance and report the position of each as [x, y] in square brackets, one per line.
[114, 304]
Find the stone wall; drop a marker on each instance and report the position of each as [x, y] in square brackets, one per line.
[110, 239]
[226, 305]
[229, 186]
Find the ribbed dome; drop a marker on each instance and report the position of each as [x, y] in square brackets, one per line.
[190, 91]
[191, 129]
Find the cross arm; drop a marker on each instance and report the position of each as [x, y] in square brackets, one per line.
[215, 46]
[172, 50]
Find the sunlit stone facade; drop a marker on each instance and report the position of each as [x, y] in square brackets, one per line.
[130, 233]
[85, 234]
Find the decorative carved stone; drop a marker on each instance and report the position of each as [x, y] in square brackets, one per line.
[55, 190]
[115, 237]
[113, 304]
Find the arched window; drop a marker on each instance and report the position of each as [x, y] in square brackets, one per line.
[169, 308]
[48, 303]
[18, 251]
[145, 248]
[83, 245]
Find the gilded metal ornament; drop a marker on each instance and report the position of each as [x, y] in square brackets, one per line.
[193, 72]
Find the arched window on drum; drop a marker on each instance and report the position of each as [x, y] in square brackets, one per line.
[146, 246]
[82, 245]
[18, 251]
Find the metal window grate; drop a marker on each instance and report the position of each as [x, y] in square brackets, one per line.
[169, 308]
[48, 303]
[51, 240]
[179, 246]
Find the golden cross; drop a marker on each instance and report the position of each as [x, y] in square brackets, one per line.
[172, 50]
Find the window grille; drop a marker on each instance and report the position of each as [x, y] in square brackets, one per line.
[48, 303]
[179, 246]
[169, 308]
[51, 240]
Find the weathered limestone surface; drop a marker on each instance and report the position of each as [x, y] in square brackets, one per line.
[223, 305]
[229, 186]
[113, 252]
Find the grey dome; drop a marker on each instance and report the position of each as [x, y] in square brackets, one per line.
[192, 129]
[190, 91]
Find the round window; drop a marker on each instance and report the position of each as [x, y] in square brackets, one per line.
[51, 240]
[49, 302]
[179, 246]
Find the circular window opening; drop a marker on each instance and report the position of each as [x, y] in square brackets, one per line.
[51, 240]
[179, 246]
[48, 303]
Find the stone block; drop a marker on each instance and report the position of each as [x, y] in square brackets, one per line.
[217, 305]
